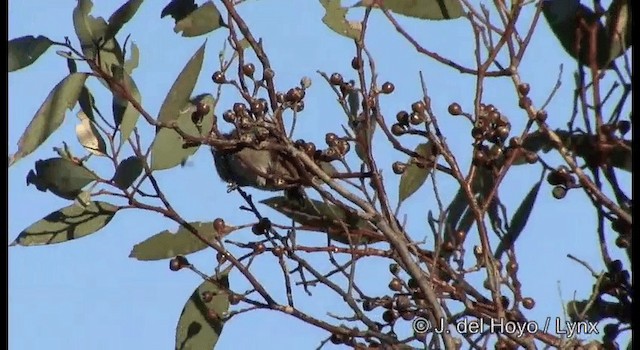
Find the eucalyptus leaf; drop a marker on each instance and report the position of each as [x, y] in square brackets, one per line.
[89, 136]
[127, 172]
[61, 176]
[124, 113]
[67, 224]
[50, 115]
[415, 175]
[165, 245]
[182, 87]
[335, 19]
[423, 9]
[201, 321]
[179, 9]
[168, 149]
[91, 32]
[519, 220]
[134, 59]
[120, 17]
[203, 20]
[25, 50]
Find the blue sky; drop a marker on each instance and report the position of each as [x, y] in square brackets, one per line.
[87, 294]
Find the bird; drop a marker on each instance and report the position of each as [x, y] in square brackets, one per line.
[263, 169]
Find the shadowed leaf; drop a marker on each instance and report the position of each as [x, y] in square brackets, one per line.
[570, 22]
[182, 88]
[598, 310]
[203, 20]
[87, 103]
[120, 17]
[61, 176]
[165, 244]
[127, 172]
[89, 136]
[125, 114]
[618, 154]
[200, 322]
[91, 31]
[179, 9]
[424, 9]
[618, 27]
[168, 149]
[25, 50]
[134, 59]
[318, 216]
[50, 115]
[66, 224]
[519, 220]
[335, 19]
[414, 176]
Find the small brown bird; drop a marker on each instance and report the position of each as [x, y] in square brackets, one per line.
[265, 170]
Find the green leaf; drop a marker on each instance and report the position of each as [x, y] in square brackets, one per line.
[424, 9]
[414, 176]
[201, 322]
[91, 32]
[25, 50]
[50, 115]
[203, 20]
[519, 220]
[120, 17]
[182, 87]
[127, 172]
[61, 176]
[168, 149]
[66, 224]
[134, 59]
[124, 113]
[165, 245]
[335, 19]
[618, 26]
[89, 136]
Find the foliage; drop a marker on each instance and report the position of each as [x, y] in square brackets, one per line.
[361, 215]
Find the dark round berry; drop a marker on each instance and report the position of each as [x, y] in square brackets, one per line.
[515, 142]
[412, 283]
[541, 116]
[336, 79]
[218, 78]
[258, 107]
[512, 267]
[622, 242]
[455, 109]
[202, 109]
[298, 106]
[221, 258]
[397, 129]
[330, 139]
[624, 126]
[178, 263]
[402, 117]
[206, 296]
[248, 69]
[259, 248]
[239, 108]
[294, 95]
[524, 102]
[418, 107]
[356, 63]
[229, 116]
[368, 305]
[388, 87]
[219, 225]
[416, 118]
[268, 73]
[278, 251]
[559, 192]
[399, 168]
[394, 268]
[524, 88]
[234, 299]
[389, 316]
[395, 285]
[531, 157]
[343, 147]
[528, 303]
[555, 178]
[408, 315]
